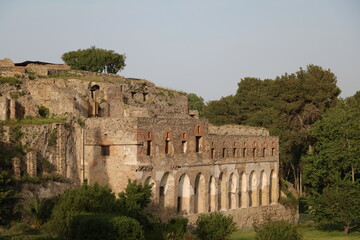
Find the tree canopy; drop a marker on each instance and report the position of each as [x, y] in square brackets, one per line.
[287, 106]
[95, 60]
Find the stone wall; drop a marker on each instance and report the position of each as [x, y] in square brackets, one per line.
[237, 130]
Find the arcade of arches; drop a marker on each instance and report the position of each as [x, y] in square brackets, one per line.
[192, 192]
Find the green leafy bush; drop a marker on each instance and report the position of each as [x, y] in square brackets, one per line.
[43, 111]
[85, 199]
[277, 230]
[177, 225]
[214, 226]
[104, 227]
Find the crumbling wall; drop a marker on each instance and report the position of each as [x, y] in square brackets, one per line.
[47, 149]
[238, 130]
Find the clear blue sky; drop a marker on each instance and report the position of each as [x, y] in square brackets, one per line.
[204, 47]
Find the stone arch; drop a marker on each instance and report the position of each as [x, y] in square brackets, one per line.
[232, 191]
[242, 190]
[184, 194]
[199, 194]
[273, 187]
[167, 190]
[150, 181]
[212, 194]
[222, 192]
[253, 193]
[263, 189]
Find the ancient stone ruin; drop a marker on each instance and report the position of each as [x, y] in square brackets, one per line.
[113, 129]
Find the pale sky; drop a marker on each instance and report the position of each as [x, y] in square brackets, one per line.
[204, 47]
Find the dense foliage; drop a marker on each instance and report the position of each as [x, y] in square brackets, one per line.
[277, 230]
[336, 151]
[7, 198]
[214, 226]
[105, 227]
[287, 106]
[196, 103]
[331, 170]
[86, 199]
[337, 205]
[95, 60]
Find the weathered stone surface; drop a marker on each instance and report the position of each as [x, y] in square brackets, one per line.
[6, 63]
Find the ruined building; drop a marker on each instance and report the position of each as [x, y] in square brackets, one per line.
[113, 128]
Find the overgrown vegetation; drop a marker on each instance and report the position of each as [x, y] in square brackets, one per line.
[277, 230]
[13, 81]
[214, 226]
[43, 111]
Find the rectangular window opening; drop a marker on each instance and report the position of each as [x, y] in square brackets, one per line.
[234, 152]
[148, 149]
[254, 152]
[224, 153]
[244, 152]
[105, 150]
[167, 146]
[198, 141]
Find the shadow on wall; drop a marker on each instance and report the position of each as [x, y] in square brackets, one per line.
[100, 154]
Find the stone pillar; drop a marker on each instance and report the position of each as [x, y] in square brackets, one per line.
[4, 108]
[16, 162]
[12, 109]
[60, 154]
[31, 164]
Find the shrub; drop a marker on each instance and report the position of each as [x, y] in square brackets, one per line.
[277, 230]
[127, 228]
[43, 111]
[177, 225]
[85, 199]
[214, 226]
[105, 227]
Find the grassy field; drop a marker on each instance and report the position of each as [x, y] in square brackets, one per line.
[309, 233]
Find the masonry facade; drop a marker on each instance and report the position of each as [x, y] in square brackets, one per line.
[135, 130]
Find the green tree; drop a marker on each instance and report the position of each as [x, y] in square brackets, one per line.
[336, 152]
[223, 111]
[338, 204]
[95, 60]
[196, 103]
[7, 198]
[134, 200]
[288, 106]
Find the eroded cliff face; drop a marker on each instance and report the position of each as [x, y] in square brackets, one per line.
[46, 151]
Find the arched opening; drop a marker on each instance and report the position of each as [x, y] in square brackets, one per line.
[222, 192]
[232, 191]
[150, 181]
[253, 194]
[273, 190]
[212, 194]
[184, 194]
[167, 190]
[263, 191]
[200, 194]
